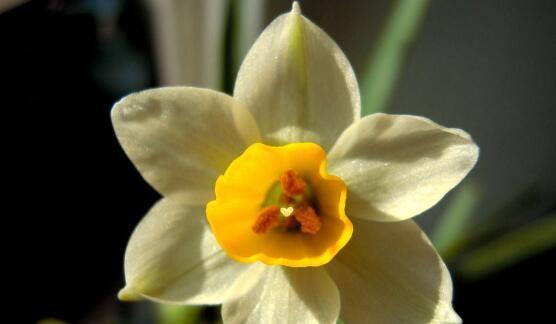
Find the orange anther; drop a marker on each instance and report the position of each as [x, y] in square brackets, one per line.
[292, 184]
[308, 218]
[268, 218]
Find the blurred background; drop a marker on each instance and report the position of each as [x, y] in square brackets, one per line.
[488, 67]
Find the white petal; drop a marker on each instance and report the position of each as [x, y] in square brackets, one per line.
[399, 166]
[298, 84]
[173, 257]
[181, 139]
[287, 295]
[390, 273]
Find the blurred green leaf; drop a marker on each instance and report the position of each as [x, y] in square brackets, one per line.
[453, 223]
[248, 20]
[386, 61]
[173, 314]
[510, 248]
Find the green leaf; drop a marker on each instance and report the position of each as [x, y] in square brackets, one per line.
[248, 20]
[173, 314]
[509, 249]
[454, 222]
[386, 61]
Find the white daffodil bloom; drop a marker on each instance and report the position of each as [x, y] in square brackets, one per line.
[281, 202]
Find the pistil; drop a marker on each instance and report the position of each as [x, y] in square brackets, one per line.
[292, 211]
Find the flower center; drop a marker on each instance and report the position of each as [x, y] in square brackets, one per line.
[278, 205]
[292, 210]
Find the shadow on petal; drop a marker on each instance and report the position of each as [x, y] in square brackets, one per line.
[173, 257]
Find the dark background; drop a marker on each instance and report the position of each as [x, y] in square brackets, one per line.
[73, 197]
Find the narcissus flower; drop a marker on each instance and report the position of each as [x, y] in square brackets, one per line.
[281, 202]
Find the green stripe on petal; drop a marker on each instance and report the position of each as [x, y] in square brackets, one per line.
[298, 84]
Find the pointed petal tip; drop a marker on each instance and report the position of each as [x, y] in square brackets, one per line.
[296, 8]
[452, 318]
[128, 294]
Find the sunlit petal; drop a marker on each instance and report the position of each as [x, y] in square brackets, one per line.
[286, 295]
[181, 139]
[173, 257]
[298, 84]
[390, 273]
[398, 166]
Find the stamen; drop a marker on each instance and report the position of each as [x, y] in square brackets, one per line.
[289, 207]
[267, 219]
[292, 184]
[308, 218]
